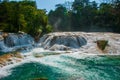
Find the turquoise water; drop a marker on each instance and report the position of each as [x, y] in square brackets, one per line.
[69, 68]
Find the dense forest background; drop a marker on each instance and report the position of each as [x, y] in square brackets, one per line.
[23, 16]
[86, 16]
[80, 15]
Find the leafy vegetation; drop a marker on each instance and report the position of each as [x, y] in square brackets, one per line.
[87, 16]
[82, 16]
[23, 16]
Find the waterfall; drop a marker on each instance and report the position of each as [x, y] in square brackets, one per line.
[62, 41]
[14, 41]
[3, 48]
[84, 61]
[17, 39]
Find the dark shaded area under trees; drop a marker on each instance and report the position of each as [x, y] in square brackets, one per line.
[23, 16]
[87, 16]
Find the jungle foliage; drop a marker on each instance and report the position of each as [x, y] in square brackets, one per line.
[87, 16]
[23, 16]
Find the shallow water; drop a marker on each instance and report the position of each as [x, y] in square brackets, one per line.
[68, 67]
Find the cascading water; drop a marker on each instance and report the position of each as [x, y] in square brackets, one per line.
[85, 63]
[14, 41]
[68, 67]
[18, 39]
[62, 41]
[2, 46]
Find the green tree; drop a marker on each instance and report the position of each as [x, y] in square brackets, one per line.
[59, 18]
[23, 16]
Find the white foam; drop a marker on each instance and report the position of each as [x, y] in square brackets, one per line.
[51, 60]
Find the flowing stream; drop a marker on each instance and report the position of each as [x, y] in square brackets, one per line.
[74, 56]
[68, 67]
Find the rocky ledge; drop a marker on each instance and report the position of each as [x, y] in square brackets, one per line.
[14, 41]
[82, 41]
[10, 58]
[62, 41]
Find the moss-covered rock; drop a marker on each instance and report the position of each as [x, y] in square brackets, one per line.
[102, 44]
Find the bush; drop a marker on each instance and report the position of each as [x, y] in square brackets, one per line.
[49, 28]
[102, 44]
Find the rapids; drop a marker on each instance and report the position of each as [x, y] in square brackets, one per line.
[13, 41]
[63, 56]
[67, 67]
[62, 41]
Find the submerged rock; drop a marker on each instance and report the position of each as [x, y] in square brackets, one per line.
[39, 79]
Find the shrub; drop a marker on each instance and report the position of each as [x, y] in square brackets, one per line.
[49, 28]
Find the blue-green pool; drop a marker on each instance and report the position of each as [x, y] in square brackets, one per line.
[69, 68]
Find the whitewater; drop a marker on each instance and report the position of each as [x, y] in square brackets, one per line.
[63, 56]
